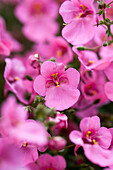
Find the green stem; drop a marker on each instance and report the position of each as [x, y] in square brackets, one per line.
[110, 3]
[69, 146]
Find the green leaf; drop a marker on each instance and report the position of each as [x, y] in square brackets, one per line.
[29, 77]
[81, 48]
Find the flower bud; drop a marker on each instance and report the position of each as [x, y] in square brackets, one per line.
[57, 143]
[60, 121]
[33, 60]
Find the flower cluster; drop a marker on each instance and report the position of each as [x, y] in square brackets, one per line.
[56, 60]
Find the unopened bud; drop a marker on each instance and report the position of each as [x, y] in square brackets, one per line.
[33, 60]
[60, 121]
[105, 44]
[81, 48]
[97, 21]
[57, 143]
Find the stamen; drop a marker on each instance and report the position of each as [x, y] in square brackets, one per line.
[83, 7]
[91, 61]
[37, 8]
[94, 141]
[25, 144]
[54, 75]
[57, 84]
[88, 87]
[88, 134]
[59, 53]
[80, 14]
[94, 92]
[16, 78]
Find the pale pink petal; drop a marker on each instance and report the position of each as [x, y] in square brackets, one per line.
[48, 68]
[103, 137]
[79, 31]
[58, 163]
[97, 155]
[68, 11]
[39, 85]
[109, 90]
[31, 132]
[90, 124]
[73, 77]
[30, 154]
[76, 137]
[109, 72]
[61, 97]
[44, 161]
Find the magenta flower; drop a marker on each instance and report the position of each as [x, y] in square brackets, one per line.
[16, 127]
[109, 85]
[60, 121]
[7, 42]
[57, 143]
[90, 60]
[55, 47]
[92, 85]
[57, 85]
[10, 156]
[80, 18]
[95, 141]
[14, 74]
[39, 20]
[46, 161]
[85, 108]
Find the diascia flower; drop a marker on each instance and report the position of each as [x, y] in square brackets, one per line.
[57, 85]
[79, 15]
[95, 141]
[38, 17]
[48, 162]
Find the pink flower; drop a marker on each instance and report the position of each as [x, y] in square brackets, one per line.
[30, 153]
[57, 143]
[14, 74]
[90, 60]
[85, 108]
[55, 47]
[109, 85]
[47, 161]
[80, 18]
[57, 85]
[7, 42]
[16, 127]
[95, 141]
[39, 20]
[10, 156]
[60, 121]
[92, 85]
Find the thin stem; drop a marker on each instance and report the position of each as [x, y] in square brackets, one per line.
[110, 3]
[69, 146]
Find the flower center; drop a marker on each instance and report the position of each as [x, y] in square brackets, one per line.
[88, 134]
[84, 11]
[24, 144]
[91, 89]
[55, 75]
[59, 53]
[83, 7]
[91, 62]
[94, 141]
[37, 8]
[57, 84]
[49, 168]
